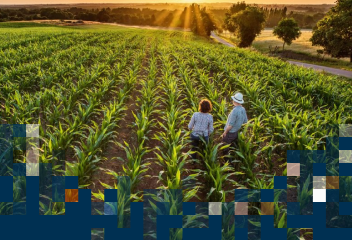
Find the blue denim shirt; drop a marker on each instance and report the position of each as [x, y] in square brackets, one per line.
[236, 118]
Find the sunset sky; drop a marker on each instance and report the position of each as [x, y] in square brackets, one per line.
[162, 1]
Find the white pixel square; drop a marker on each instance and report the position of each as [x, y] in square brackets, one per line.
[319, 182]
[32, 143]
[32, 169]
[345, 130]
[319, 195]
[345, 156]
[215, 208]
[32, 130]
[32, 156]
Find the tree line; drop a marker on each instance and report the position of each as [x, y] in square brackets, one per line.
[193, 17]
[274, 15]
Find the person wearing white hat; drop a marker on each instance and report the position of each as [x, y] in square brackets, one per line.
[235, 120]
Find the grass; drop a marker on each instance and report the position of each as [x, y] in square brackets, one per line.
[302, 49]
[302, 44]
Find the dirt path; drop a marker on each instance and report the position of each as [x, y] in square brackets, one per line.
[220, 40]
[338, 72]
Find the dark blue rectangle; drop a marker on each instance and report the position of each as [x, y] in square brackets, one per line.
[241, 234]
[319, 169]
[189, 208]
[32, 184]
[6, 189]
[71, 182]
[293, 156]
[345, 208]
[345, 169]
[345, 143]
[267, 195]
[19, 169]
[110, 195]
[58, 188]
[19, 130]
[241, 195]
[280, 182]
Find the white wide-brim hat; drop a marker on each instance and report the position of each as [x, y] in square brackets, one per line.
[238, 97]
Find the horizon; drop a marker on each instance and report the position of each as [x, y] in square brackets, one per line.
[73, 2]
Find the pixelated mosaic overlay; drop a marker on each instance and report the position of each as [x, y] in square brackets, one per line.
[320, 180]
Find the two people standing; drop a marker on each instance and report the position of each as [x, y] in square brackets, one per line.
[201, 123]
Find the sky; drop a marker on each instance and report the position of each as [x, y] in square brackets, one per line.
[162, 1]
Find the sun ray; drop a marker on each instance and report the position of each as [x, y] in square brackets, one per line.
[161, 18]
[176, 19]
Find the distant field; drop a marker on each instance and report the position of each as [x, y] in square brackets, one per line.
[301, 49]
[302, 44]
[266, 39]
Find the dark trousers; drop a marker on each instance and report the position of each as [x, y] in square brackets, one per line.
[196, 142]
[230, 138]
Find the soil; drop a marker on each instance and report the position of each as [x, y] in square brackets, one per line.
[292, 194]
[125, 132]
[153, 169]
[112, 151]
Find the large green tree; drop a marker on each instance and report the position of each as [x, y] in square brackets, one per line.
[246, 22]
[287, 30]
[334, 31]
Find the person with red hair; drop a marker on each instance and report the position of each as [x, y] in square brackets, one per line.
[201, 125]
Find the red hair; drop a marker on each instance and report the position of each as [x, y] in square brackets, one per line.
[205, 106]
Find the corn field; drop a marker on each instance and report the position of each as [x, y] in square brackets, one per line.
[115, 102]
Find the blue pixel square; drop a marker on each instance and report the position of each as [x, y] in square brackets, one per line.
[293, 208]
[110, 195]
[293, 156]
[241, 195]
[319, 169]
[202, 208]
[345, 169]
[6, 208]
[280, 195]
[110, 208]
[71, 182]
[19, 208]
[58, 188]
[20, 143]
[267, 195]
[320, 156]
[254, 195]
[189, 208]
[163, 208]
[332, 195]
[19, 130]
[280, 182]
[6, 189]
[345, 143]
[241, 221]
[19, 169]
[241, 234]
[6, 131]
